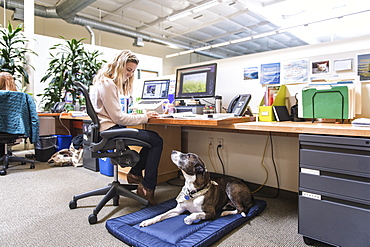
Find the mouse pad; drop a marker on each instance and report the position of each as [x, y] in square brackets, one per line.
[173, 231]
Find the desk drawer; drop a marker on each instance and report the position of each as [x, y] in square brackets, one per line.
[334, 223]
[352, 187]
[356, 164]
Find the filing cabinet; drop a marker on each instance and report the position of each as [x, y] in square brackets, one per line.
[334, 190]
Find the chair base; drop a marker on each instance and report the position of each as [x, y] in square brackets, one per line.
[6, 159]
[112, 191]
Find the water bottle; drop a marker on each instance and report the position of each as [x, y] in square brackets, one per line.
[218, 103]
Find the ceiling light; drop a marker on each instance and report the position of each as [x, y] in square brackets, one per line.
[179, 15]
[193, 10]
[203, 48]
[205, 6]
[261, 35]
[172, 55]
[220, 44]
[240, 40]
[186, 52]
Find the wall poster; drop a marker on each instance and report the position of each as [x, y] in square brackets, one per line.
[295, 71]
[270, 73]
[250, 73]
[363, 67]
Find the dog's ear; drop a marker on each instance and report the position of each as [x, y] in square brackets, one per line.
[200, 167]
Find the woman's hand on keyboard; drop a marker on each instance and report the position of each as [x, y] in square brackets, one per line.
[152, 114]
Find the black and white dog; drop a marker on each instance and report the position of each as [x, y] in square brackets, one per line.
[202, 196]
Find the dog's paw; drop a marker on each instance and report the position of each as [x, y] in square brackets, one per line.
[146, 223]
[188, 220]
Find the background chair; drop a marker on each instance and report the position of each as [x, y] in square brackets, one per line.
[114, 145]
[18, 119]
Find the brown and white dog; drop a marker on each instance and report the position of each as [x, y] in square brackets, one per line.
[202, 196]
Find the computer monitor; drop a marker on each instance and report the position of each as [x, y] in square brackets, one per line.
[155, 89]
[196, 82]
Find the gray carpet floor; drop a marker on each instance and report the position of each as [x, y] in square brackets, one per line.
[35, 211]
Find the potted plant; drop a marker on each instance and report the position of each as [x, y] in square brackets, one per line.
[13, 53]
[70, 63]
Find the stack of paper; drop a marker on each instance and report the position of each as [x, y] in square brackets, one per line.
[361, 122]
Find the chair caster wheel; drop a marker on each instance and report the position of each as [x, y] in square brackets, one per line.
[3, 172]
[93, 219]
[32, 166]
[308, 241]
[72, 204]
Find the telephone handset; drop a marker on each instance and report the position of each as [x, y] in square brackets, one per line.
[238, 105]
[58, 107]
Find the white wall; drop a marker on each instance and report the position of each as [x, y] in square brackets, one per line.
[243, 153]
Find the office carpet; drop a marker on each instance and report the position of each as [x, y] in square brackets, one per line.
[35, 212]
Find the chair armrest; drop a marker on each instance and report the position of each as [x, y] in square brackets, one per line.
[106, 135]
[117, 132]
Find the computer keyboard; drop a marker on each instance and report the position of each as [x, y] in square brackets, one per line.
[150, 102]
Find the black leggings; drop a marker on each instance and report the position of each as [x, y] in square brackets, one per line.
[149, 157]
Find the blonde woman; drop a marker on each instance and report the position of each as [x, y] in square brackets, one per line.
[113, 80]
[7, 82]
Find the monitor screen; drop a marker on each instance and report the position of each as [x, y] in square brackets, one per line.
[196, 82]
[155, 89]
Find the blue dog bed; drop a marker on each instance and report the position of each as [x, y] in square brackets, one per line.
[173, 231]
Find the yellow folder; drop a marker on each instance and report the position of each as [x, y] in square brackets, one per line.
[265, 112]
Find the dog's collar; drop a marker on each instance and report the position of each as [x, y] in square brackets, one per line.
[186, 194]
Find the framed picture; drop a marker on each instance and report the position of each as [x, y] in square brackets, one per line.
[270, 73]
[343, 64]
[363, 67]
[250, 73]
[321, 67]
[295, 71]
[142, 73]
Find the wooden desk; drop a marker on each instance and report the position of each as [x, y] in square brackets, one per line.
[60, 124]
[305, 127]
[170, 130]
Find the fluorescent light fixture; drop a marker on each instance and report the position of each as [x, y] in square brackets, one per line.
[240, 40]
[205, 6]
[220, 44]
[261, 35]
[203, 48]
[186, 52]
[179, 15]
[193, 10]
[172, 55]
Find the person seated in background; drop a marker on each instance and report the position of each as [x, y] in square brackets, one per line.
[7, 82]
[111, 81]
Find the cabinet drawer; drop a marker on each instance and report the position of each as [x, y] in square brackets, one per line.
[357, 164]
[336, 185]
[334, 223]
[362, 143]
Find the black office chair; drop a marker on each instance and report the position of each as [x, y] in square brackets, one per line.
[113, 144]
[6, 141]
[18, 119]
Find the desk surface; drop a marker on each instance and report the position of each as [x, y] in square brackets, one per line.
[200, 122]
[306, 127]
[246, 123]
